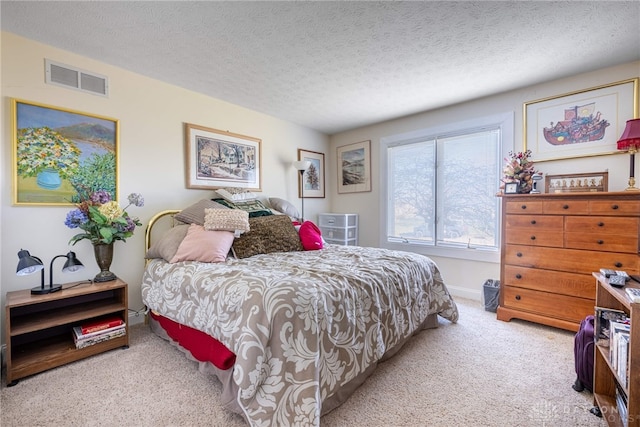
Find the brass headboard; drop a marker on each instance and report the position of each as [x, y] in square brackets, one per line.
[153, 222]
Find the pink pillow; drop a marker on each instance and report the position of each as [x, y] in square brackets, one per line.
[310, 236]
[204, 245]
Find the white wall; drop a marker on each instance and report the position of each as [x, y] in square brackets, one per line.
[465, 278]
[151, 160]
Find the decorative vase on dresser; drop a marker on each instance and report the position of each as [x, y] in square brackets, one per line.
[551, 243]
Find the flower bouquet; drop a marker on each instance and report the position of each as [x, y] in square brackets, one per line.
[102, 219]
[519, 168]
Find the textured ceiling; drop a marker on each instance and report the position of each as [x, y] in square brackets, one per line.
[334, 66]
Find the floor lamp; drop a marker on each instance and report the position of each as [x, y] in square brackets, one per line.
[301, 166]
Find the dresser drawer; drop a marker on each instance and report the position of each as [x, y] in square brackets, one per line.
[566, 207]
[619, 207]
[601, 224]
[523, 207]
[534, 222]
[574, 284]
[602, 242]
[535, 237]
[571, 260]
[337, 220]
[547, 304]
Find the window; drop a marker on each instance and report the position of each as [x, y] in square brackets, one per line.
[440, 189]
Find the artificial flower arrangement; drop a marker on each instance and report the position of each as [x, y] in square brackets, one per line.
[102, 219]
[42, 148]
[519, 168]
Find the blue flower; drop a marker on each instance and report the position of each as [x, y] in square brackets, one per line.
[101, 197]
[76, 218]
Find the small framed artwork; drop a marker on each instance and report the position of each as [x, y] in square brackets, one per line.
[577, 182]
[354, 167]
[311, 184]
[59, 152]
[579, 124]
[218, 159]
[511, 188]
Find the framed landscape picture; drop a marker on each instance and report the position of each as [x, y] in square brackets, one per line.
[581, 123]
[218, 159]
[312, 182]
[59, 152]
[354, 167]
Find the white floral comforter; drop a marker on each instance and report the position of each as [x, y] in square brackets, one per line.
[302, 324]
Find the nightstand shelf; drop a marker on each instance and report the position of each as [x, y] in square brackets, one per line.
[605, 379]
[39, 327]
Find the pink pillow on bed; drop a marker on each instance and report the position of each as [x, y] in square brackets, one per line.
[310, 236]
[204, 245]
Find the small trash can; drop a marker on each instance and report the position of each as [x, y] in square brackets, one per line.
[491, 295]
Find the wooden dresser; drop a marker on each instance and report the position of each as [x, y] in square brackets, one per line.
[551, 243]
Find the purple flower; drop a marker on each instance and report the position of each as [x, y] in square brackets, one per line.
[136, 199]
[100, 197]
[75, 219]
[127, 228]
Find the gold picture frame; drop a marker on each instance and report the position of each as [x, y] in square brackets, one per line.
[582, 123]
[577, 183]
[57, 151]
[218, 159]
[311, 183]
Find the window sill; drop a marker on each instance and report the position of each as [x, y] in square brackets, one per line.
[472, 254]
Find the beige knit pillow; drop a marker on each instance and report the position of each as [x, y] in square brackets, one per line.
[235, 220]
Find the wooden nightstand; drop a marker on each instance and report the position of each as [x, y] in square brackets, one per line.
[39, 328]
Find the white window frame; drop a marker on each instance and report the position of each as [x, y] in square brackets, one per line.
[505, 122]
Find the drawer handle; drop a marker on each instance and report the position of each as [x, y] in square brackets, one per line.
[600, 242]
[533, 237]
[618, 264]
[601, 224]
[523, 207]
[518, 276]
[519, 254]
[565, 207]
[518, 297]
[533, 221]
[614, 207]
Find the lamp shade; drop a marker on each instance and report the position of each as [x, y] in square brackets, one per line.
[73, 264]
[302, 165]
[27, 264]
[630, 138]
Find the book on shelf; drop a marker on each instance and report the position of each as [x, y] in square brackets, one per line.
[101, 324]
[77, 332]
[618, 354]
[82, 341]
[633, 294]
[622, 405]
[603, 318]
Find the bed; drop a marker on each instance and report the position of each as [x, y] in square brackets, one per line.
[290, 333]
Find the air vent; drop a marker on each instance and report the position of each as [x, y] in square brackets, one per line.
[75, 78]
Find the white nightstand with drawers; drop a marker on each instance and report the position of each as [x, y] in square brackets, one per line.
[340, 229]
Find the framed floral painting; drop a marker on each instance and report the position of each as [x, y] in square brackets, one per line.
[58, 152]
[218, 159]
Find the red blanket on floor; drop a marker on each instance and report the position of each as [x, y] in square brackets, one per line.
[202, 347]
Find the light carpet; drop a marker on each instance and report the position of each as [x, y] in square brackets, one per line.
[478, 372]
